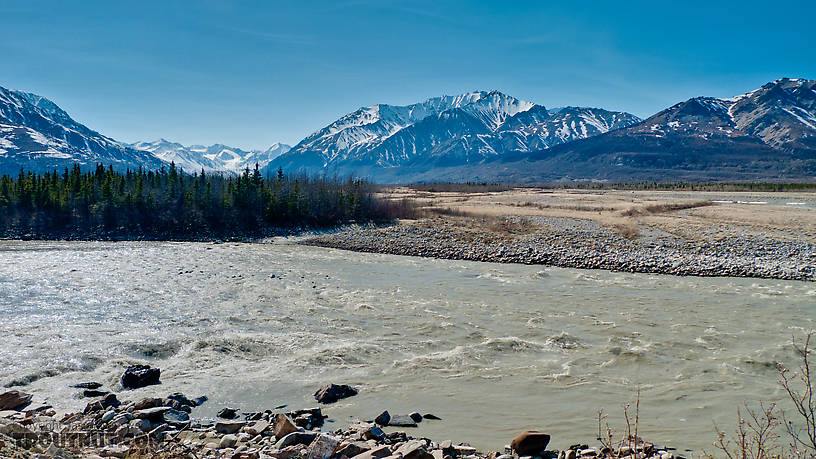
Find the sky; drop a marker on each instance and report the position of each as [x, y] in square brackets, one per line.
[248, 74]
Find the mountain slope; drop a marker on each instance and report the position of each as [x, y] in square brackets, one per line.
[212, 159]
[37, 135]
[390, 143]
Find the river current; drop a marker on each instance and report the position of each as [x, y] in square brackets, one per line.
[492, 349]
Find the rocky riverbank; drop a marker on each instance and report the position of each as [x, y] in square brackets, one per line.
[573, 243]
[163, 427]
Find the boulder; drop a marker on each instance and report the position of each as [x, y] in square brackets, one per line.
[331, 393]
[414, 449]
[256, 427]
[530, 443]
[228, 441]
[283, 426]
[150, 402]
[136, 376]
[416, 417]
[175, 417]
[383, 418]
[228, 413]
[376, 453]
[322, 447]
[229, 427]
[181, 399]
[399, 420]
[114, 451]
[153, 414]
[110, 401]
[351, 449]
[295, 438]
[14, 400]
[87, 385]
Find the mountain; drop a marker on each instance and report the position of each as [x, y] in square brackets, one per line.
[36, 134]
[212, 159]
[766, 134]
[395, 143]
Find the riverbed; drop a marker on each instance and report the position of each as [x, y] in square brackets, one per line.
[492, 349]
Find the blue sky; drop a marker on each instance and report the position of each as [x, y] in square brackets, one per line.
[249, 74]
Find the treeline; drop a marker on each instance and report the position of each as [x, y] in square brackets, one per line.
[169, 204]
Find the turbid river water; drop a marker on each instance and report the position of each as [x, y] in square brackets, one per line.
[492, 349]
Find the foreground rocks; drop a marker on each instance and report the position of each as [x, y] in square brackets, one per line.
[161, 427]
[572, 243]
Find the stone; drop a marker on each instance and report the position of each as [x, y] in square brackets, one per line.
[331, 393]
[416, 417]
[175, 417]
[295, 438]
[229, 427]
[139, 426]
[14, 400]
[432, 417]
[110, 401]
[375, 453]
[199, 400]
[256, 427]
[94, 393]
[351, 449]
[530, 443]
[150, 402]
[414, 449]
[108, 416]
[114, 451]
[228, 441]
[383, 418]
[228, 413]
[322, 447]
[373, 433]
[136, 376]
[122, 419]
[399, 420]
[571, 454]
[87, 385]
[14, 430]
[154, 414]
[283, 426]
[181, 398]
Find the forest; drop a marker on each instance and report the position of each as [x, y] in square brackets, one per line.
[169, 204]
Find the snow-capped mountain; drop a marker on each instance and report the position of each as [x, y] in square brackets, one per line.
[385, 141]
[212, 159]
[766, 134]
[36, 134]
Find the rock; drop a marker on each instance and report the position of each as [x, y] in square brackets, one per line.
[295, 438]
[283, 426]
[108, 416]
[376, 453]
[414, 449]
[139, 426]
[383, 418]
[15, 430]
[331, 393]
[229, 427]
[351, 449]
[432, 417]
[114, 451]
[87, 385]
[136, 376]
[175, 417]
[571, 454]
[122, 419]
[181, 398]
[150, 402]
[228, 413]
[416, 417]
[373, 433]
[530, 443]
[399, 420]
[94, 393]
[198, 401]
[256, 427]
[228, 441]
[93, 406]
[154, 414]
[322, 447]
[110, 401]
[14, 400]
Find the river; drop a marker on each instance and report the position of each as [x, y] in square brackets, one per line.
[492, 349]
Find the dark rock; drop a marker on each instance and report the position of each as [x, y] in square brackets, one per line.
[229, 427]
[351, 449]
[198, 401]
[175, 417]
[383, 418]
[414, 449]
[432, 417]
[110, 401]
[14, 400]
[530, 443]
[94, 393]
[150, 402]
[416, 417]
[228, 413]
[181, 399]
[399, 420]
[373, 433]
[88, 385]
[295, 438]
[152, 414]
[376, 453]
[136, 376]
[331, 393]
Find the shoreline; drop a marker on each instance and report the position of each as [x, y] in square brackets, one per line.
[163, 427]
[574, 243]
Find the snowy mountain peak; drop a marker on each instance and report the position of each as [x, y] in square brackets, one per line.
[215, 158]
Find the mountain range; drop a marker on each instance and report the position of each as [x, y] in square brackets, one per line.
[766, 134]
